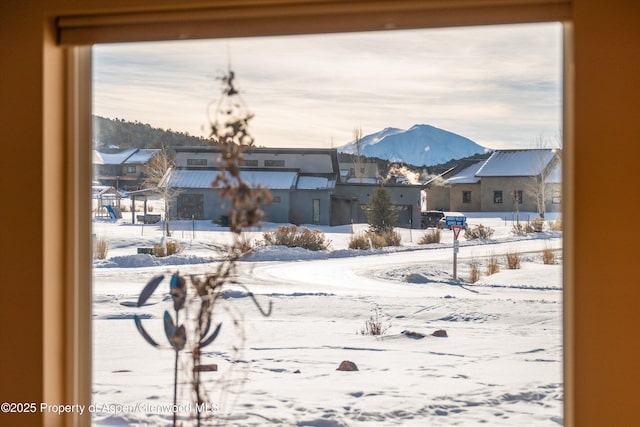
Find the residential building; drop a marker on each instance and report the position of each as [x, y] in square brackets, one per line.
[304, 185]
[509, 180]
[122, 169]
[365, 171]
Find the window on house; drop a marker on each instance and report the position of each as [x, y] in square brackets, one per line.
[249, 163]
[274, 163]
[316, 211]
[196, 162]
[131, 169]
[497, 197]
[466, 197]
[517, 197]
[276, 199]
[556, 198]
[190, 206]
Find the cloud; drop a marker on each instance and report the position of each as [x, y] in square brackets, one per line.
[499, 85]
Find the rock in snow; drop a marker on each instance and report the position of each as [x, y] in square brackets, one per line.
[414, 335]
[347, 365]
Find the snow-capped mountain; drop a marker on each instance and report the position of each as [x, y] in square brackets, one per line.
[420, 145]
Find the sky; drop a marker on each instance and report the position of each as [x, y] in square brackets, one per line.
[500, 86]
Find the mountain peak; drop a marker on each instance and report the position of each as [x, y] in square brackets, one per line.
[420, 145]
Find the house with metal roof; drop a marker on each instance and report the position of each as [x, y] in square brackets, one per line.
[122, 169]
[305, 186]
[509, 180]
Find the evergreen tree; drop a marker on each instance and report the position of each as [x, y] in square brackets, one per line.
[381, 213]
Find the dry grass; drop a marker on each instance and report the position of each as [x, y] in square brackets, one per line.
[172, 246]
[474, 273]
[493, 267]
[373, 240]
[518, 229]
[478, 232]
[513, 260]
[537, 225]
[555, 225]
[296, 237]
[431, 236]
[244, 243]
[549, 256]
[100, 248]
[374, 326]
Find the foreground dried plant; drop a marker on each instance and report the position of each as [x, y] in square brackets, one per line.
[203, 295]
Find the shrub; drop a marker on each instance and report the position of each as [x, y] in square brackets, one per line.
[537, 225]
[381, 214]
[474, 274]
[518, 229]
[493, 267]
[243, 243]
[366, 241]
[372, 240]
[548, 256]
[391, 238]
[374, 326]
[555, 225]
[513, 260]
[431, 236]
[100, 248]
[296, 237]
[172, 246]
[478, 232]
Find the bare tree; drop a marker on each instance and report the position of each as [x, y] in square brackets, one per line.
[542, 164]
[157, 172]
[358, 158]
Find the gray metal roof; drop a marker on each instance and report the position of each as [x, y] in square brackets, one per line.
[466, 175]
[143, 155]
[516, 163]
[185, 178]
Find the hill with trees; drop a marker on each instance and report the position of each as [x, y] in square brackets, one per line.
[120, 134]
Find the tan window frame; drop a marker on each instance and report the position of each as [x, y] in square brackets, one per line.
[256, 18]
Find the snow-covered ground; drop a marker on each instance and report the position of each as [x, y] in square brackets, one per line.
[501, 363]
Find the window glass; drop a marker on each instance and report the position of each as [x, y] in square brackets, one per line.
[381, 294]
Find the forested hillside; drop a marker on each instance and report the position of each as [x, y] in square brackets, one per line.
[118, 133]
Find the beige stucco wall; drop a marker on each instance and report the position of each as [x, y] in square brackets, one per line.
[456, 198]
[507, 185]
[438, 198]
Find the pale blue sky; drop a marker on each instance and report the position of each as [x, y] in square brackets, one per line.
[500, 86]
